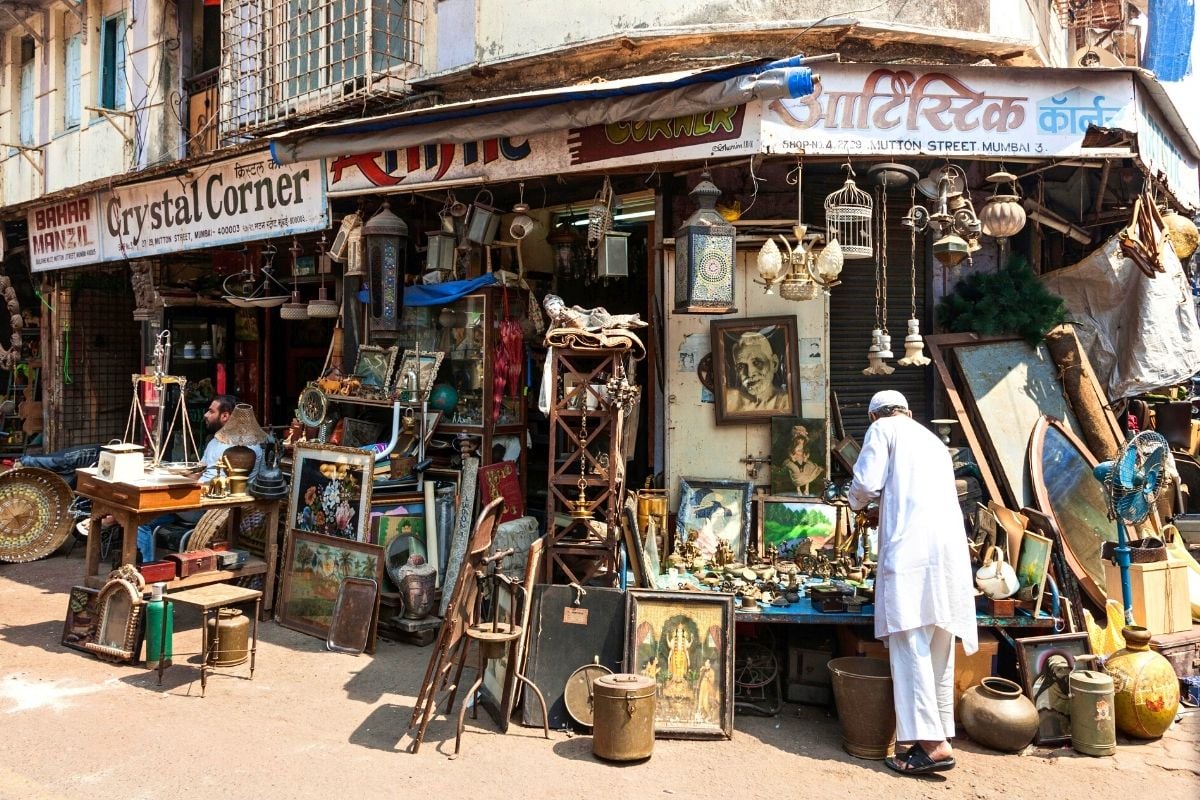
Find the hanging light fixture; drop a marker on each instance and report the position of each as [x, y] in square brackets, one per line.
[914, 345]
[323, 307]
[443, 242]
[294, 309]
[848, 215]
[704, 256]
[354, 254]
[384, 236]
[564, 240]
[522, 224]
[770, 265]
[1003, 216]
[808, 272]
[483, 220]
[953, 218]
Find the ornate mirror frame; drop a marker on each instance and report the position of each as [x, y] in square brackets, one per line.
[118, 622]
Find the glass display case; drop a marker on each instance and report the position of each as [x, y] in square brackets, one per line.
[481, 386]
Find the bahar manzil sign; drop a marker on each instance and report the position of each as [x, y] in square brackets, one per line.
[225, 203]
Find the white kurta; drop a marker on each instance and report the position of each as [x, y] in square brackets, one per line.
[924, 573]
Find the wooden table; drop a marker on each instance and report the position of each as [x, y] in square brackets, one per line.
[132, 504]
[207, 600]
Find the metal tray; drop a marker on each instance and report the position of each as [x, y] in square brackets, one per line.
[352, 626]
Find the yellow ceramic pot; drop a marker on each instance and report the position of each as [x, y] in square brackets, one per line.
[1146, 689]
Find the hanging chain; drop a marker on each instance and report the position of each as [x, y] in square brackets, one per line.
[912, 259]
[883, 244]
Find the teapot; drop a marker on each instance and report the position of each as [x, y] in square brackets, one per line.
[996, 578]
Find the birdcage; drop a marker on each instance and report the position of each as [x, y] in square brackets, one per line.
[1090, 13]
[848, 214]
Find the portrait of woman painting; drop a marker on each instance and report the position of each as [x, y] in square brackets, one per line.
[799, 455]
[680, 640]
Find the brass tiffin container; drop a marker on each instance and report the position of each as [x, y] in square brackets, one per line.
[623, 717]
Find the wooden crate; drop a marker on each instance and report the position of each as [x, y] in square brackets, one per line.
[1160, 595]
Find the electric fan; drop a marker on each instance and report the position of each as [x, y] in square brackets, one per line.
[1132, 482]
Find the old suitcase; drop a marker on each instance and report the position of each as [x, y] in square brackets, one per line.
[231, 559]
[1181, 649]
[569, 628]
[194, 561]
[156, 571]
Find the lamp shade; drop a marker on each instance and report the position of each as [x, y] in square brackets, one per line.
[704, 257]
[384, 236]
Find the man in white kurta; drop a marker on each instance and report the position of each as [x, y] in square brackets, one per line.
[924, 594]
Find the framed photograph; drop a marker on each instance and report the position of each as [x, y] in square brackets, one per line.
[82, 617]
[784, 524]
[331, 490]
[682, 641]
[757, 369]
[799, 456]
[423, 370]
[712, 512]
[1033, 565]
[1046, 663]
[313, 568]
[375, 364]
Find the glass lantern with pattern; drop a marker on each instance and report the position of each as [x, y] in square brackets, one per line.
[704, 257]
[385, 235]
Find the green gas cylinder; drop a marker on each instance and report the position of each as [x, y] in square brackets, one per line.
[158, 639]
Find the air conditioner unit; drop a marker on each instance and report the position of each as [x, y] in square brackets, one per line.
[337, 250]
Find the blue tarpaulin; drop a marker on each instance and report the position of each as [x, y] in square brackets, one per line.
[439, 294]
[1169, 38]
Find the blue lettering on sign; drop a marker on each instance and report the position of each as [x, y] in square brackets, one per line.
[1072, 112]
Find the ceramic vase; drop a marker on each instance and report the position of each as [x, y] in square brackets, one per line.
[1145, 687]
[996, 714]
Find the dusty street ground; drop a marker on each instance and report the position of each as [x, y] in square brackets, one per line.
[314, 724]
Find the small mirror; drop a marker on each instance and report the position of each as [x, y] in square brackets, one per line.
[119, 610]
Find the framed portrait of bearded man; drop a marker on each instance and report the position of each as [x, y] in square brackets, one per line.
[756, 369]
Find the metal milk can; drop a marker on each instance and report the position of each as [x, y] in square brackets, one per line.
[1093, 715]
[623, 717]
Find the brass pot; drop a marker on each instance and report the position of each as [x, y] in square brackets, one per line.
[229, 638]
[997, 714]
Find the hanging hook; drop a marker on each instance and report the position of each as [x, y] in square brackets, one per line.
[849, 170]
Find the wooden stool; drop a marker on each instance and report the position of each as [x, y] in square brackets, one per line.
[211, 599]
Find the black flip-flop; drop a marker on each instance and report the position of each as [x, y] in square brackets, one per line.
[918, 762]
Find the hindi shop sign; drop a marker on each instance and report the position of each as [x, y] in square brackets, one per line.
[226, 203]
[65, 234]
[871, 110]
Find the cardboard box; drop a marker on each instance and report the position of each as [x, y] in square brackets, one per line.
[1160, 595]
[968, 670]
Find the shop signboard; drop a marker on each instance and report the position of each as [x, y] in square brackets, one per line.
[944, 111]
[719, 133]
[229, 202]
[64, 234]
[233, 201]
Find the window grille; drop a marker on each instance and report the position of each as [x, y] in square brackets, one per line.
[284, 59]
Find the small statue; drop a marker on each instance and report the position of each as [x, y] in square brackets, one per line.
[772, 554]
[723, 555]
[587, 319]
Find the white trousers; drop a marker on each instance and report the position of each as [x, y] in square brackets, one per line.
[922, 661]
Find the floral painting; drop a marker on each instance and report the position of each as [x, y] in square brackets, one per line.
[313, 569]
[680, 640]
[331, 491]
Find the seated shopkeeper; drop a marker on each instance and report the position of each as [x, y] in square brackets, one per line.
[231, 424]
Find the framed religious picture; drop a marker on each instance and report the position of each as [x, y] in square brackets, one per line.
[414, 379]
[313, 568]
[374, 365]
[1046, 663]
[787, 525]
[682, 641]
[331, 490]
[799, 456]
[713, 513]
[756, 369]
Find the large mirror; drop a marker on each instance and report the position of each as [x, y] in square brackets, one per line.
[119, 610]
[1061, 468]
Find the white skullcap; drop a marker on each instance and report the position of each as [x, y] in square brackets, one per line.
[886, 398]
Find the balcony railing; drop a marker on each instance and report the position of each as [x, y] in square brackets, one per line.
[285, 59]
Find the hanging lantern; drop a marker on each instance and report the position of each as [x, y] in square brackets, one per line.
[848, 213]
[704, 257]
[323, 307]
[564, 239]
[830, 261]
[385, 235]
[914, 345]
[483, 220]
[770, 265]
[875, 364]
[1002, 216]
[354, 253]
[522, 224]
[441, 251]
[294, 309]
[950, 250]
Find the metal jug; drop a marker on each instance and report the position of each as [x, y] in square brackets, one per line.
[1093, 717]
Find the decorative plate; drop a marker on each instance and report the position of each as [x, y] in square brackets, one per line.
[34, 514]
[312, 407]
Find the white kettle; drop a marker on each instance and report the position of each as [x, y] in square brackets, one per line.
[996, 578]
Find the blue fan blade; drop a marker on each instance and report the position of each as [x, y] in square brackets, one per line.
[1131, 507]
[1126, 469]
